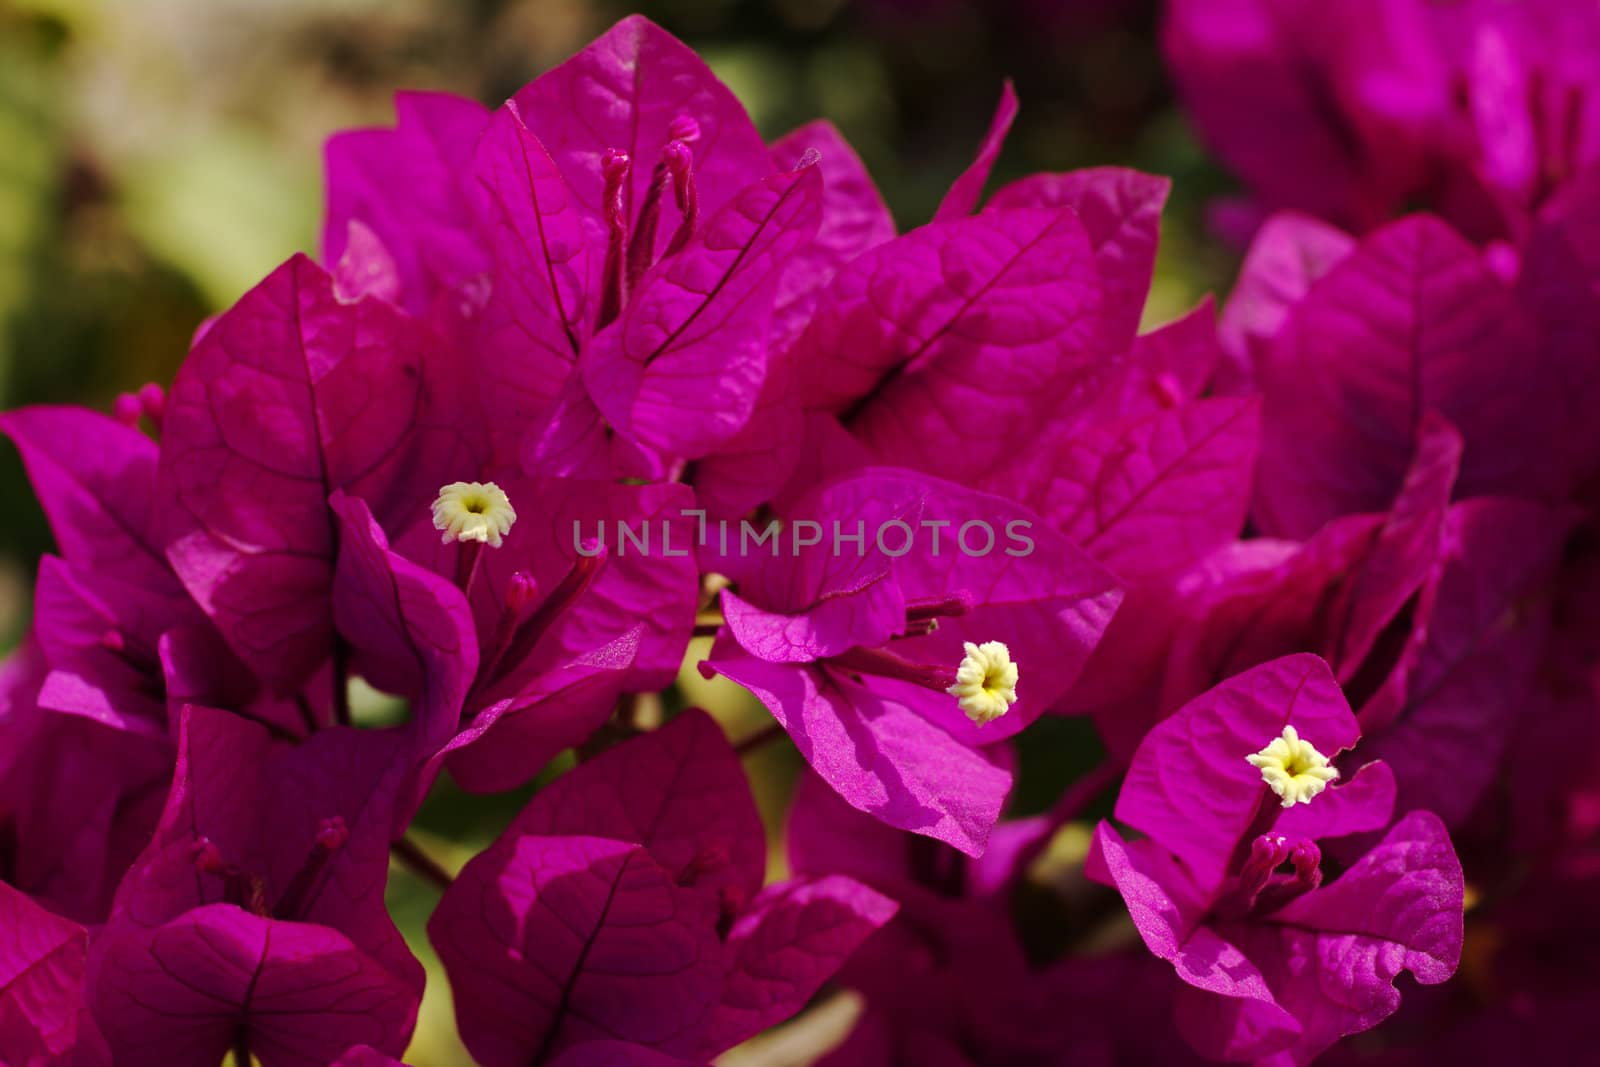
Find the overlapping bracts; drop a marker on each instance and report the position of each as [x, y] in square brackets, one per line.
[585, 376]
[1350, 111]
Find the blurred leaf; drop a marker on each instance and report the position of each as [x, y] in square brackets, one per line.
[29, 161]
[224, 207]
[1052, 753]
[759, 77]
[65, 10]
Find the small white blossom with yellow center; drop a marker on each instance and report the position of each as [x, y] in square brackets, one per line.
[986, 681]
[1293, 768]
[473, 511]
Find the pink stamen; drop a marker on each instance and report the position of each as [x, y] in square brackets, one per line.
[675, 169]
[953, 606]
[1259, 890]
[1267, 853]
[1307, 860]
[127, 409]
[332, 835]
[585, 569]
[207, 860]
[1168, 392]
[150, 401]
[239, 888]
[153, 400]
[522, 592]
[680, 162]
[882, 663]
[132, 652]
[1268, 808]
[614, 168]
[642, 245]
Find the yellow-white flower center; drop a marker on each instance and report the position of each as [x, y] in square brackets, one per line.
[473, 511]
[1293, 768]
[986, 681]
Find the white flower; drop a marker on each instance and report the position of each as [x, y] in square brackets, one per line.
[1293, 768]
[473, 511]
[986, 682]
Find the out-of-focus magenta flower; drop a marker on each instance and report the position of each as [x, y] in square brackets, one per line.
[1423, 325]
[1233, 788]
[1408, 320]
[626, 904]
[1350, 111]
[1394, 602]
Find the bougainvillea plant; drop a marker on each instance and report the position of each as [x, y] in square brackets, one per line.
[598, 386]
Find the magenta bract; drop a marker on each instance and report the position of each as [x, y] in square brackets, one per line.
[598, 383]
[1276, 962]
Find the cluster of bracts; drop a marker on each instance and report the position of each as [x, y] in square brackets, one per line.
[1318, 568]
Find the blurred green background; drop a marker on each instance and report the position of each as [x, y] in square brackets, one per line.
[158, 157]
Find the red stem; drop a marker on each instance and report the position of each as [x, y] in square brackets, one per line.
[756, 740]
[419, 863]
